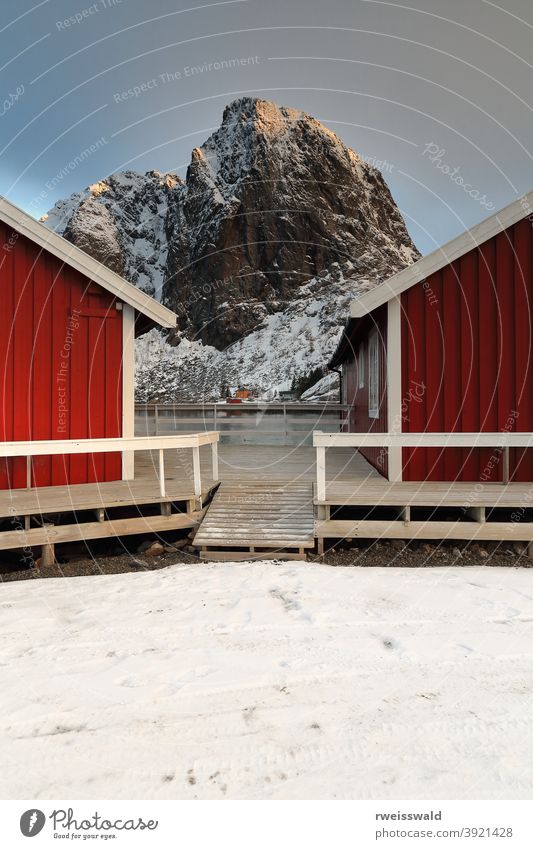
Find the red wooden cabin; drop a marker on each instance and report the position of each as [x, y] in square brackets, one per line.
[66, 352]
[445, 346]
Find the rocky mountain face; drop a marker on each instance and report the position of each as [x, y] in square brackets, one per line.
[125, 221]
[276, 226]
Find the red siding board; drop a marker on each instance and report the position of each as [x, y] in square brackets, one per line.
[520, 459]
[469, 317]
[79, 365]
[488, 356]
[22, 342]
[414, 326]
[113, 394]
[506, 360]
[481, 305]
[54, 357]
[6, 348]
[452, 397]
[96, 411]
[60, 417]
[42, 369]
[434, 361]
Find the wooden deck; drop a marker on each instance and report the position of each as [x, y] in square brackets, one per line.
[376, 508]
[266, 505]
[277, 463]
[44, 517]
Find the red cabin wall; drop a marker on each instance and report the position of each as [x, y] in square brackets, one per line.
[357, 398]
[60, 364]
[466, 358]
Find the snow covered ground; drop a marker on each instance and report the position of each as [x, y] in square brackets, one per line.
[269, 680]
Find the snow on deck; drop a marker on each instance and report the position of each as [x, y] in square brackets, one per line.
[270, 680]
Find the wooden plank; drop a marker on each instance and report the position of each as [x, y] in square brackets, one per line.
[424, 440]
[428, 495]
[88, 497]
[364, 529]
[97, 530]
[37, 448]
[239, 536]
[196, 470]
[259, 542]
[476, 513]
[229, 556]
[229, 521]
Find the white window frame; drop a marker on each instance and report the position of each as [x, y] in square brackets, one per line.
[373, 375]
[361, 367]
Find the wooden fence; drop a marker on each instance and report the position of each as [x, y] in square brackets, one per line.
[139, 443]
[502, 441]
[242, 424]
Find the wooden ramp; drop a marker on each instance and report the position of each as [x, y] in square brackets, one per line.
[248, 520]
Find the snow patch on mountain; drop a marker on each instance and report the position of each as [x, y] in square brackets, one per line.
[125, 221]
[325, 389]
[286, 346]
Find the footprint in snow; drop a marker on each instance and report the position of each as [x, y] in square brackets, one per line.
[248, 714]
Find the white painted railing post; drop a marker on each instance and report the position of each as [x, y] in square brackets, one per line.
[321, 473]
[196, 470]
[505, 467]
[214, 455]
[162, 472]
[128, 388]
[394, 387]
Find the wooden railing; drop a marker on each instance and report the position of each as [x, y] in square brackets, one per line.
[290, 423]
[501, 441]
[124, 445]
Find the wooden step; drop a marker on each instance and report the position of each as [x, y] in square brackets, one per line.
[227, 554]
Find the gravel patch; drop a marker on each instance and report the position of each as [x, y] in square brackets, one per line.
[418, 555]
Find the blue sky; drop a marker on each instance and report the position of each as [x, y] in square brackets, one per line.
[439, 95]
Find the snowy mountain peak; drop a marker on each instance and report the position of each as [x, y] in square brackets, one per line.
[277, 224]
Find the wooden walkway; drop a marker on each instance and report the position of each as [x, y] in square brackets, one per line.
[264, 506]
[258, 520]
[266, 463]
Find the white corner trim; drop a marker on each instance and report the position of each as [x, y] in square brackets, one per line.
[68, 253]
[128, 388]
[394, 383]
[449, 252]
